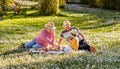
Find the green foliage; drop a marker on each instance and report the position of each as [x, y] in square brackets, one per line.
[117, 4]
[3, 6]
[1, 12]
[99, 3]
[49, 7]
[108, 4]
[62, 3]
[92, 2]
[84, 1]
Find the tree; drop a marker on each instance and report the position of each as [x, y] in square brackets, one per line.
[49, 7]
[19, 3]
[62, 3]
[2, 7]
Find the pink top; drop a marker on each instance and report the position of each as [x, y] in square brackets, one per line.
[45, 38]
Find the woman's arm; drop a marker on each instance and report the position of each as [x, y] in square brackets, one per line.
[59, 42]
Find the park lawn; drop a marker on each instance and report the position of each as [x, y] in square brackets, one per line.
[100, 27]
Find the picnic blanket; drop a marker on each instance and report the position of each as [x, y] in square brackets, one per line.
[61, 51]
[47, 52]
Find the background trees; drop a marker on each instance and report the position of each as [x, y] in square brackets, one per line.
[107, 4]
[62, 3]
[2, 7]
[49, 7]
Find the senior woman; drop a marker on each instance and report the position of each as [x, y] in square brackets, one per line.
[44, 38]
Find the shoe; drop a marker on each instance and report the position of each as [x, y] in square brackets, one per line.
[32, 50]
[92, 49]
[22, 45]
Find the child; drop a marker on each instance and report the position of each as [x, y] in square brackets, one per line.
[82, 45]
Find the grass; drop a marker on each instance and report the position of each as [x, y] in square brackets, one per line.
[100, 27]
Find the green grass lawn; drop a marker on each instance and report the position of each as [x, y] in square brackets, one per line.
[100, 27]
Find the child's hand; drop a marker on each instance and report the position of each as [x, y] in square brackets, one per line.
[45, 49]
[85, 41]
[58, 48]
[69, 40]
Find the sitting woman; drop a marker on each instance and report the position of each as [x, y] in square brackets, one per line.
[44, 38]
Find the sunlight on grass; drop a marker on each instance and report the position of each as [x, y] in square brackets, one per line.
[100, 27]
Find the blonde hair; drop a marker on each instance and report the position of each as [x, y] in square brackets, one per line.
[66, 22]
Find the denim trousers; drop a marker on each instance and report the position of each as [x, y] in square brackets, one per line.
[33, 44]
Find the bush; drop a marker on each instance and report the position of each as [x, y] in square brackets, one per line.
[117, 5]
[92, 2]
[3, 7]
[62, 3]
[99, 3]
[49, 7]
[107, 4]
[84, 1]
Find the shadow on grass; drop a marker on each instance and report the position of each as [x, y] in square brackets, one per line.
[94, 11]
[20, 49]
[73, 62]
[64, 63]
[31, 15]
[106, 17]
[99, 26]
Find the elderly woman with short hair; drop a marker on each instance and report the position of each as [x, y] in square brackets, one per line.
[44, 38]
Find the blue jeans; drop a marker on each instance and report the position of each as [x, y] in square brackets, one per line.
[33, 44]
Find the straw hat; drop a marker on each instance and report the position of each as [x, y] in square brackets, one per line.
[50, 25]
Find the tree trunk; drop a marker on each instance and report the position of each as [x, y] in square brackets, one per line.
[3, 7]
[1, 18]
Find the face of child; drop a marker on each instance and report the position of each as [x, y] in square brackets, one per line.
[67, 26]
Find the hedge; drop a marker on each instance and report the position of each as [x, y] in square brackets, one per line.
[62, 3]
[107, 4]
[49, 7]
